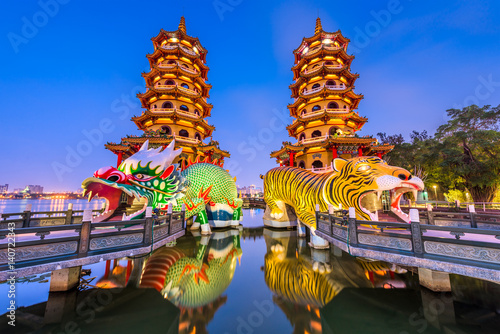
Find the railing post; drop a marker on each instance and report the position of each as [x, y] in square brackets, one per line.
[148, 226]
[317, 212]
[416, 233]
[353, 230]
[69, 215]
[85, 232]
[183, 211]
[472, 214]
[430, 214]
[27, 216]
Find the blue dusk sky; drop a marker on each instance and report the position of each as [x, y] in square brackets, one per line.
[71, 69]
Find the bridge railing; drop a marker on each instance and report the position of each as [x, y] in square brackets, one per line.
[479, 247]
[28, 218]
[44, 244]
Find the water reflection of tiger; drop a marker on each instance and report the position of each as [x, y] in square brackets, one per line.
[344, 186]
[295, 280]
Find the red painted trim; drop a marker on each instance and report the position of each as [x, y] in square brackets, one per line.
[335, 152]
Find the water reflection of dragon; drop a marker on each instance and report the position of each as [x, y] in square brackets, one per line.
[195, 280]
[149, 179]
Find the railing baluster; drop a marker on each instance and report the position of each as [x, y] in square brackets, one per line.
[416, 233]
[85, 233]
[353, 230]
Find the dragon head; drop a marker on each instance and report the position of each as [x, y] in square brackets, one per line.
[147, 178]
[360, 182]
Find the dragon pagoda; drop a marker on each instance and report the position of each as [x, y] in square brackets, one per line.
[175, 102]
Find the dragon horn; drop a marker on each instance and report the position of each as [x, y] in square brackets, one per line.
[144, 146]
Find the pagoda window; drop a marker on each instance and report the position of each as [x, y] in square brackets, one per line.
[170, 83]
[315, 65]
[333, 105]
[316, 85]
[302, 136]
[197, 112]
[167, 105]
[317, 164]
[334, 130]
[331, 83]
[329, 62]
[302, 164]
[303, 112]
[166, 130]
[345, 107]
[197, 136]
[170, 62]
[316, 107]
[185, 85]
[183, 133]
[184, 108]
[184, 66]
[316, 133]
[154, 106]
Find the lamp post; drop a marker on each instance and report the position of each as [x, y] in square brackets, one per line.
[435, 194]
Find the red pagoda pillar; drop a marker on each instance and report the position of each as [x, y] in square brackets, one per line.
[334, 152]
[291, 158]
[119, 161]
[360, 151]
[379, 155]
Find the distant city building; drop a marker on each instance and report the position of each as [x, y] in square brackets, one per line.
[33, 189]
[251, 190]
[18, 190]
[4, 188]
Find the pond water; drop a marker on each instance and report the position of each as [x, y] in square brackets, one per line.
[253, 280]
[58, 204]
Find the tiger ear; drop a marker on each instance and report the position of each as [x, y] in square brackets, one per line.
[338, 163]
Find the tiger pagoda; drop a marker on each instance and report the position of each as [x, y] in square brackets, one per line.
[325, 106]
[175, 101]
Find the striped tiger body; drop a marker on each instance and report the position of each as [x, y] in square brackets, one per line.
[343, 187]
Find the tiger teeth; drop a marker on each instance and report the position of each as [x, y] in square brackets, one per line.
[379, 193]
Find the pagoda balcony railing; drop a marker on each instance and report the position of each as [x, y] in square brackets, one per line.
[190, 70]
[320, 170]
[336, 87]
[330, 87]
[168, 87]
[313, 140]
[326, 47]
[187, 90]
[169, 47]
[186, 139]
[175, 110]
[188, 51]
[319, 68]
[322, 111]
[160, 65]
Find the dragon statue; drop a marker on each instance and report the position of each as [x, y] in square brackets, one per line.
[357, 182]
[149, 179]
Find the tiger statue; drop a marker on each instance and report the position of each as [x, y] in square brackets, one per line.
[349, 182]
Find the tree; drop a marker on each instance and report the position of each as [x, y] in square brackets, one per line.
[468, 145]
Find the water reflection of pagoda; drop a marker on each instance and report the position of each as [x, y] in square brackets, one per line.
[194, 275]
[175, 100]
[325, 106]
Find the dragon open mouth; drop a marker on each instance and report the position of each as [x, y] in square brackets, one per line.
[371, 202]
[122, 201]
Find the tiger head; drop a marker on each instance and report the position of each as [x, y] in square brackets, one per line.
[360, 182]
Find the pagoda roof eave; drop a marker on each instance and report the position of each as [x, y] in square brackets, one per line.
[323, 53]
[323, 71]
[337, 34]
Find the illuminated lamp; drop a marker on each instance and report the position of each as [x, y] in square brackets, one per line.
[299, 128]
[340, 61]
[329, 58]
[148, 123]
[186, 60]
[303, 67]
[314, 123]
[315, 99]
[327, 41]
[164, 121]
[343, 79]
[196, 66]
[315, 60]
[199, 128]
[305, 50]
[164, 42]
[173, 40]
[153, 99]
[185, 99]
[170, 75]
[199, 105]
[197, 86]
[156, 79]
[185, 78]
[186, 43]
[331, 76]
[301, 106]
[315, 79]
[303, 85]
[171, 57]
[195, 49]
[182, 122]
[347, 100]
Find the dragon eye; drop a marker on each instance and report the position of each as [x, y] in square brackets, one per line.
[363, 168]
[140, 176]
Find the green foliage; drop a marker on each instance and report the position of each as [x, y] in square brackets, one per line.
[464, 154]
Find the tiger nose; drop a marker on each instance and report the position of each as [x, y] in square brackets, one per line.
[404, 177]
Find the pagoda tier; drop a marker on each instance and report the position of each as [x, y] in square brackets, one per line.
[175, 99]
[325, 106]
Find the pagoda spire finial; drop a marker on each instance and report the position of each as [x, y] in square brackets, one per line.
[182, 25]
[319, 28]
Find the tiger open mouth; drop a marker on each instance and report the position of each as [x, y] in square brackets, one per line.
[122, 201]
[371, 202]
